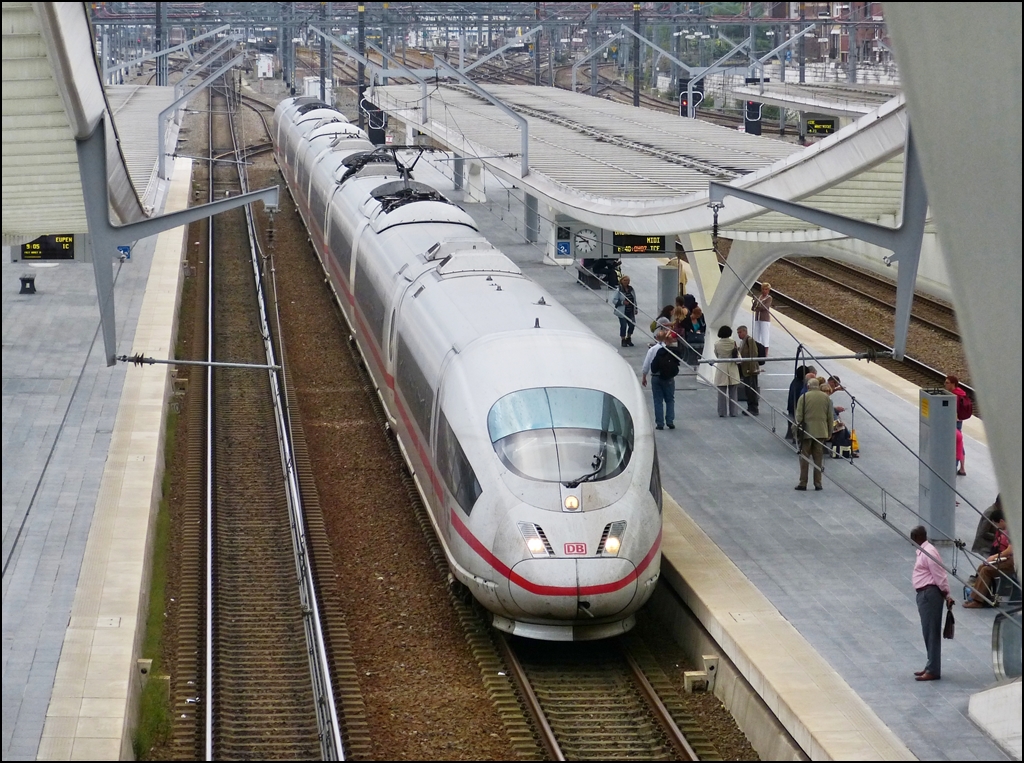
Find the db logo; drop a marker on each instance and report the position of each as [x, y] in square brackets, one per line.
[575, 548]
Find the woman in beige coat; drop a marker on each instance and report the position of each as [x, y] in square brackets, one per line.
[727, 375]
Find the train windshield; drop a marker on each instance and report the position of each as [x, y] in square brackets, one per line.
[561, 434]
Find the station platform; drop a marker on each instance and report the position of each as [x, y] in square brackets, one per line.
[809, 593]
[83, 462]
[849, 101]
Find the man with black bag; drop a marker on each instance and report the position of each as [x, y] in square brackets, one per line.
[932, 587]
[663, 366]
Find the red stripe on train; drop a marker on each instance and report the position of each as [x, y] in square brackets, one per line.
[546, 590]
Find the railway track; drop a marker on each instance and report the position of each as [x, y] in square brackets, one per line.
[595, 701]
[250, 632]
[910, 369]
[928, 312]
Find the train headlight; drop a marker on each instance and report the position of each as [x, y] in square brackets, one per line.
[536, 540]
[611, 539]
[572, 503]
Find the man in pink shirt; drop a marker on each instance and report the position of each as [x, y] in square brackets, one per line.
[932, 586]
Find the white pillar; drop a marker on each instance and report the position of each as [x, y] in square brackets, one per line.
[475, 191]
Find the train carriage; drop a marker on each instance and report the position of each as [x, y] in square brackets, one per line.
[529, 438]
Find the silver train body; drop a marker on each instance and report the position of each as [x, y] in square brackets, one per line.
[529, 437]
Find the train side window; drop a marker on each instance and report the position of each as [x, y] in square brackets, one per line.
[391, 335]
[454, 467]
[318, 206]
[413, 385]
[656, 480]
[341, 248]
[372, 302]
[302, 176]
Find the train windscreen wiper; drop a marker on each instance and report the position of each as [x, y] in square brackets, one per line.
[589, 476]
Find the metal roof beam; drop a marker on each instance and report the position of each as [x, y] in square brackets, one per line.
[576, 66]
[714, 68]
[108, 70]
[689, 69]
[385, 57]
[904, 241]
[197, 65]
[105, 237]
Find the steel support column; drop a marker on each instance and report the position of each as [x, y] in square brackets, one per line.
[636, 56]
[458, 171]
[532, 219]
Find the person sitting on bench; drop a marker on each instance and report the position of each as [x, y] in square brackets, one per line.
[999, 560]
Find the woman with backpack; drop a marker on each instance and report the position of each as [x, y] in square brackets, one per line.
[964, 410]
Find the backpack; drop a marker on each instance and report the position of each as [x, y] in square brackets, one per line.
[964, 407]
[665, 364]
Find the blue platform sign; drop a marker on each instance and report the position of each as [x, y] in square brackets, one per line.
[125, 251]
[563, 249]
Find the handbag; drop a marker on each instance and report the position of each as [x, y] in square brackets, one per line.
[947, 629]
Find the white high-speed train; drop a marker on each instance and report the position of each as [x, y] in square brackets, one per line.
[529, 437]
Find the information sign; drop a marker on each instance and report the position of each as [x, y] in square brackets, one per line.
[55, 247]
[821, 126]
[631, 243]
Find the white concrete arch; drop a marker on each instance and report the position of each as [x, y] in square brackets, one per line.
[746, 261]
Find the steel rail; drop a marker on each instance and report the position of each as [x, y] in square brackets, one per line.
[208, 744]
[661, 713]
[547, 735]
[870, 297]
[319, 662]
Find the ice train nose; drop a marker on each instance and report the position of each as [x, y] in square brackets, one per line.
[567, 589]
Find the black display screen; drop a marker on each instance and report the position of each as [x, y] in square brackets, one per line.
[56, 247]
[631, 243]
[821, 126]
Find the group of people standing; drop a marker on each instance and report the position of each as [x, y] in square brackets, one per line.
[815, 423]
[731, 377]
[680, 329]
[684, 322]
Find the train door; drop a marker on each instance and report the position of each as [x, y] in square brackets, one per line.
[405, 287]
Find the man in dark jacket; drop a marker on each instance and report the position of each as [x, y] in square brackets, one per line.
[749, 369]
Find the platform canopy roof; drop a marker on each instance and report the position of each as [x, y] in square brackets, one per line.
[841, 100]
[53, 97]
[641, 171]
